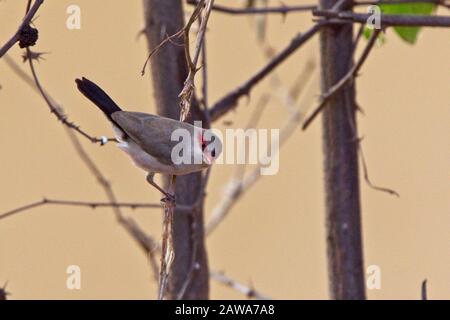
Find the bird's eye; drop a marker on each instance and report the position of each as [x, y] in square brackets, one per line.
[203, 146]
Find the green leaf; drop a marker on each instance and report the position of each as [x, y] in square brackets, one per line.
[409, 34]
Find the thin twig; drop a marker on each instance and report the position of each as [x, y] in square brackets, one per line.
[146, 242]
[205, 96]
[248, 291]
[236, 189]
[358, 37]
[158, 47]
[229, 101]
[31, 12]
[177, 34]
[88, 204]
[255, 117]
[188, 89]
[55, 108]
[343, 81]
[366, 174]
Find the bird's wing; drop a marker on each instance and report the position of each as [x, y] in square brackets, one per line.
[152, 133]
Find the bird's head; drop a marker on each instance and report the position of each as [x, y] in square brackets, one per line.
[210, 146]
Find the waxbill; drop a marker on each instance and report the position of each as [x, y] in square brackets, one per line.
[147, 138]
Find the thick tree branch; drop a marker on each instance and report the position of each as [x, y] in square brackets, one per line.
[237, 11]
[284, 10]
[386, 20]
[229, 101]
[343, 210]
[169, 71]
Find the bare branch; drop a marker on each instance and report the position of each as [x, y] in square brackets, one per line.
[343, 81]
[158, 47]
[386, 20]
[284, 10]
[366, 174]
[188, 89]
[88, 204]
[146, 242]
[236, 11]
[229, 101]
[248, 291]
[25, 23]
[237, 187]
[394, 2]
[53, 105]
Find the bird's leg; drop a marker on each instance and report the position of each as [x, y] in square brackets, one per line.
[169, 197]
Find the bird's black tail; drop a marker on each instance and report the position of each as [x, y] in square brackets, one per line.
[99, 97]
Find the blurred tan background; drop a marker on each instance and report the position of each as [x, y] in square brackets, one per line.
[274, 237]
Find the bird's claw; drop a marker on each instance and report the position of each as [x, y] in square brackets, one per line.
[169, 198]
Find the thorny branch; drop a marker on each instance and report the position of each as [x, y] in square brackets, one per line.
[88, 204]
[179, 33]
[343, 81]
[188, 89]
[56, 109]
[31, 12]
[185, 95]
[366, 174]
[237, 188]
[146, 242]
[230, 100]
[386, 20]
[224, 105]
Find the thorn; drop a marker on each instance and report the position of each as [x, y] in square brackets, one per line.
[38, 56]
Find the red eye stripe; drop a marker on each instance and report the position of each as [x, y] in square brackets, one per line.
[202, 141]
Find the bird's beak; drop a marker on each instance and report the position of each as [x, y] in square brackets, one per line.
[207, 159]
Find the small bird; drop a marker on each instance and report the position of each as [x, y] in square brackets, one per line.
[147, 138]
